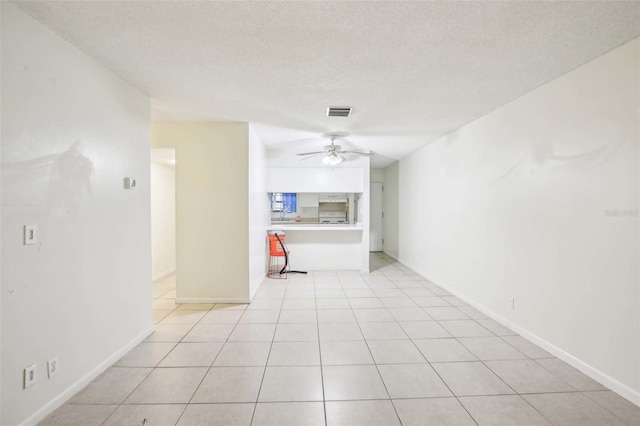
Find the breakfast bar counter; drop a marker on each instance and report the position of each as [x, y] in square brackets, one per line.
[314, 227]
[316, 247]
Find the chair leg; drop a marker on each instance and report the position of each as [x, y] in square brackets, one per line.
[275, 266]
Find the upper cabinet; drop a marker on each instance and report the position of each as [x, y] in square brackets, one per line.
[306, 199]
[332, 197]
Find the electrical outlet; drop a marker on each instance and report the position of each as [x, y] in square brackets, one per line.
[52, 367]
[512, 303]
[30, 375]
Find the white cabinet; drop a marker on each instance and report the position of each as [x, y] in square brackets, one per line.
[307, 199]
[332, 197]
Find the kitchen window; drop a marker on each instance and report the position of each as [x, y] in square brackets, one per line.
[283, 202]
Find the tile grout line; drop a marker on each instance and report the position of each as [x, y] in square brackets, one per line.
[266, 362]
[381, 283]
[478, 360]
[376, 365]
[437, 374]
[324, 399]
[434, 370]
[212, 362]
[520, 394]
[152, 368]
[428, 363]
[208, 369]
[577, 390]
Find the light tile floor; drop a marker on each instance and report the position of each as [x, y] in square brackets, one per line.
[339, 348]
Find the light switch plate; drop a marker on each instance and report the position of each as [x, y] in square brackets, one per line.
[129, 183]
[30, 234]
[30, 375]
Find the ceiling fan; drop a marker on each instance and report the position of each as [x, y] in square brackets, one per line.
[333, 154]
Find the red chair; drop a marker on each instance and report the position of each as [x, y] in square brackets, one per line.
[278, 257]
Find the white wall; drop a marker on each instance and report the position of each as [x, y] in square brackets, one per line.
[376, 175]
[514, 205]
[259, 217]
[163, 220]
[212, 204]
[71, 131]
[317, 179]
[390, 209]
[364, 205]
[1, 233]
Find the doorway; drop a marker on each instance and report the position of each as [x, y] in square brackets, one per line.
[163, 231]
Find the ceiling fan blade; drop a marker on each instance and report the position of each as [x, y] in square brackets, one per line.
[369, 154]
[312, 156]
[334, 150]
[311, 153]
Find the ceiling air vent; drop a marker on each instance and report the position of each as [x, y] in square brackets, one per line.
[338, 111]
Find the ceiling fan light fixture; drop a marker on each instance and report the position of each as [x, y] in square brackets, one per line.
[332, 159]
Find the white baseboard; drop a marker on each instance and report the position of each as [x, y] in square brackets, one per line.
[163, 275]
[212, 300]
[63, 397]
[392, 256]
[621, 389]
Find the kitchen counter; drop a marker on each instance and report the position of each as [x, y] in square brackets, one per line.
[321, 247]
[297, 226]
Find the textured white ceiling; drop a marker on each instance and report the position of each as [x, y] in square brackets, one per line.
[412, 71]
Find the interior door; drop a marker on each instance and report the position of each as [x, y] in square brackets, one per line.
[375, 217]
